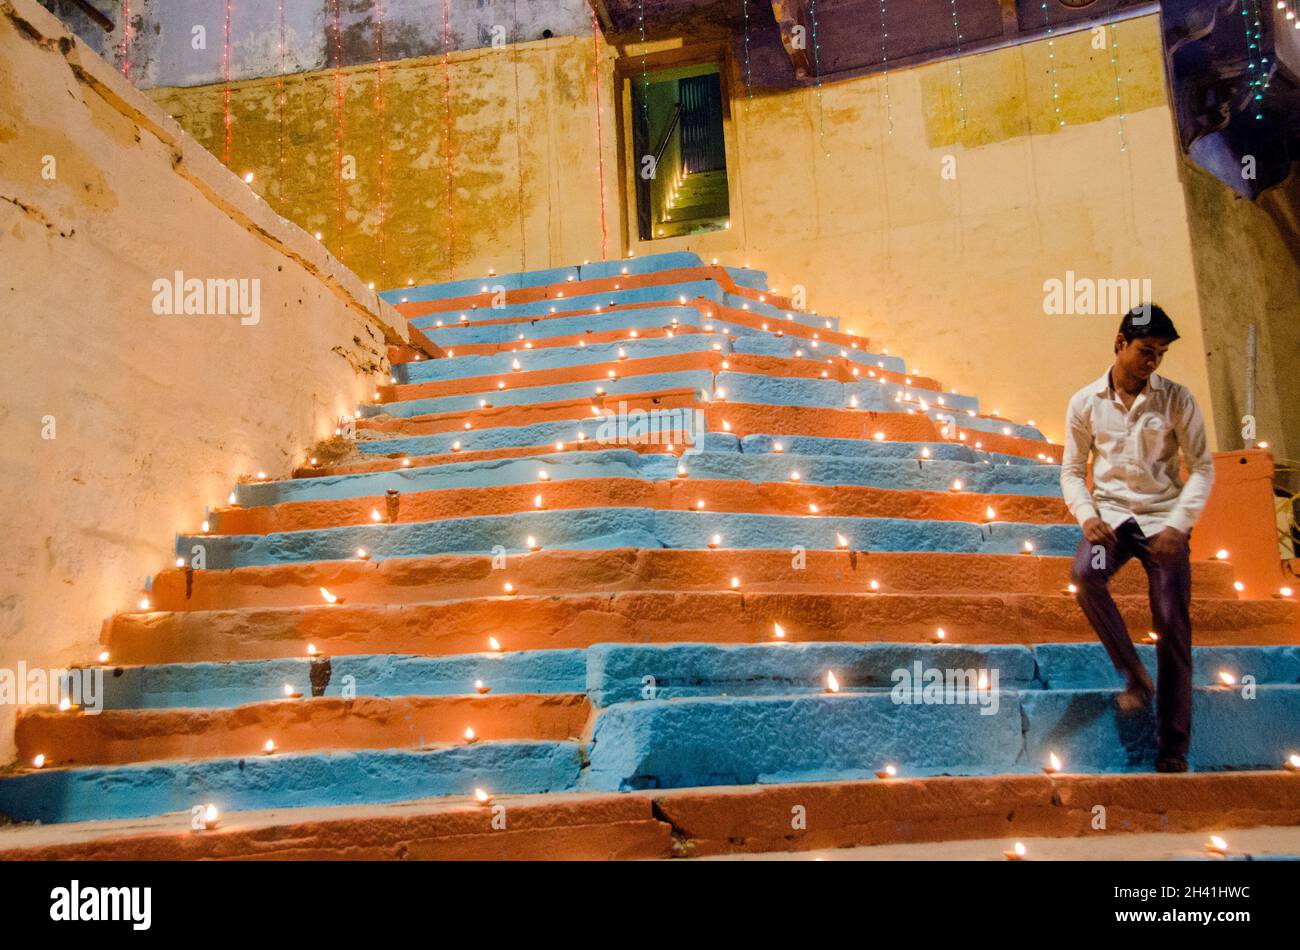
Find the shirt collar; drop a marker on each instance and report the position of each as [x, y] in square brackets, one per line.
[1102, 386]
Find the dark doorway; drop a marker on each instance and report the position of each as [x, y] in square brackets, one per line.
[681, 171]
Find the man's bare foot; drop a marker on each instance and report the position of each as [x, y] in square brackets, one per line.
[1137, 695]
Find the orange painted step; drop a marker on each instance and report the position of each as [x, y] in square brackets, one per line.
[461, 576]
[115, 737]
[718, 495]
[569, 826]
[712, 360]
[581, 620]
[695, 821]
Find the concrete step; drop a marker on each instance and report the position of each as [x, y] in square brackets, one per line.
[526, 622]
[697, 822]
[604, 528]
[742, 740]
[308, 724]
[454, 576]
[290, 780]
[703, 495]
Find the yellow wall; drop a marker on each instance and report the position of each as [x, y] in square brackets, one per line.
[949, 273]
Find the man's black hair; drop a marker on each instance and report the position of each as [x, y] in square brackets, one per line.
[1147, 320]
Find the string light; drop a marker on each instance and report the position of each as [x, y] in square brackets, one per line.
[338, 129]
[1119, 100]
[383, 140]
[1256, 83]
[519, 143]
[884, 60]
[1051, 64]
[446, 111]
[279, 106]
[961, 85]
[817, 74]
[125, 45]
[225, 74]
[600, 151]
[749, 73]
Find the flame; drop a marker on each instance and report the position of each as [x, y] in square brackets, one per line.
[328, 597]
[288, 690]
[311, 649]
[1019, 849]
[875, 584]
[990, 513]
[983, 680]
[1221, 554]
[1294, 761]
[1217, 844]
[211, 816]
[735, 583]
[778, 631]
[832, 684]
[39, 761]
[270, 746]
[375, 515]
[841, 541]
[940, 634]
[481, 796]
[469, 734]
[1054, 761]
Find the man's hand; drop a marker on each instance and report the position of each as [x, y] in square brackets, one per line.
[1098, 532]
[1168, 542]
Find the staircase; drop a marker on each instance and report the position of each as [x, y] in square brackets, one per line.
[683, 559]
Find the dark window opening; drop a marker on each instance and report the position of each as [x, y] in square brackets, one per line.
[681, 171]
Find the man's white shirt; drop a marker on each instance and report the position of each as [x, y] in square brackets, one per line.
[1135, 466]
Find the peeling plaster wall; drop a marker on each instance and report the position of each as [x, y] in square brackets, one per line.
[154, 417]
[183, 42]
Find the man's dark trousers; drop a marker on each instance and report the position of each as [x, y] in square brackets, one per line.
[1169, 585]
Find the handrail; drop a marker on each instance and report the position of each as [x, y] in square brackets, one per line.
[668, 132]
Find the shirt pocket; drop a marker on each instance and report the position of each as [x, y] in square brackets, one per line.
[1154, 440]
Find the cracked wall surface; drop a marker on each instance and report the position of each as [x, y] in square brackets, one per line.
[121, 426]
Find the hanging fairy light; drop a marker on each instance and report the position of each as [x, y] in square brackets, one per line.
[961, 85]
[600, 149]
[339, 122]
[1119, 98]
[817, 78]
[124, 48]
[884, 62]
[225, 75]
[383, 140]
[446, 112]
[280, 97]
[1051, 64]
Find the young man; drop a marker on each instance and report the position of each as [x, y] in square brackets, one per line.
[1135, 423]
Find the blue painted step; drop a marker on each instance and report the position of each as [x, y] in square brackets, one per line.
[604, 528]
[288, 781]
